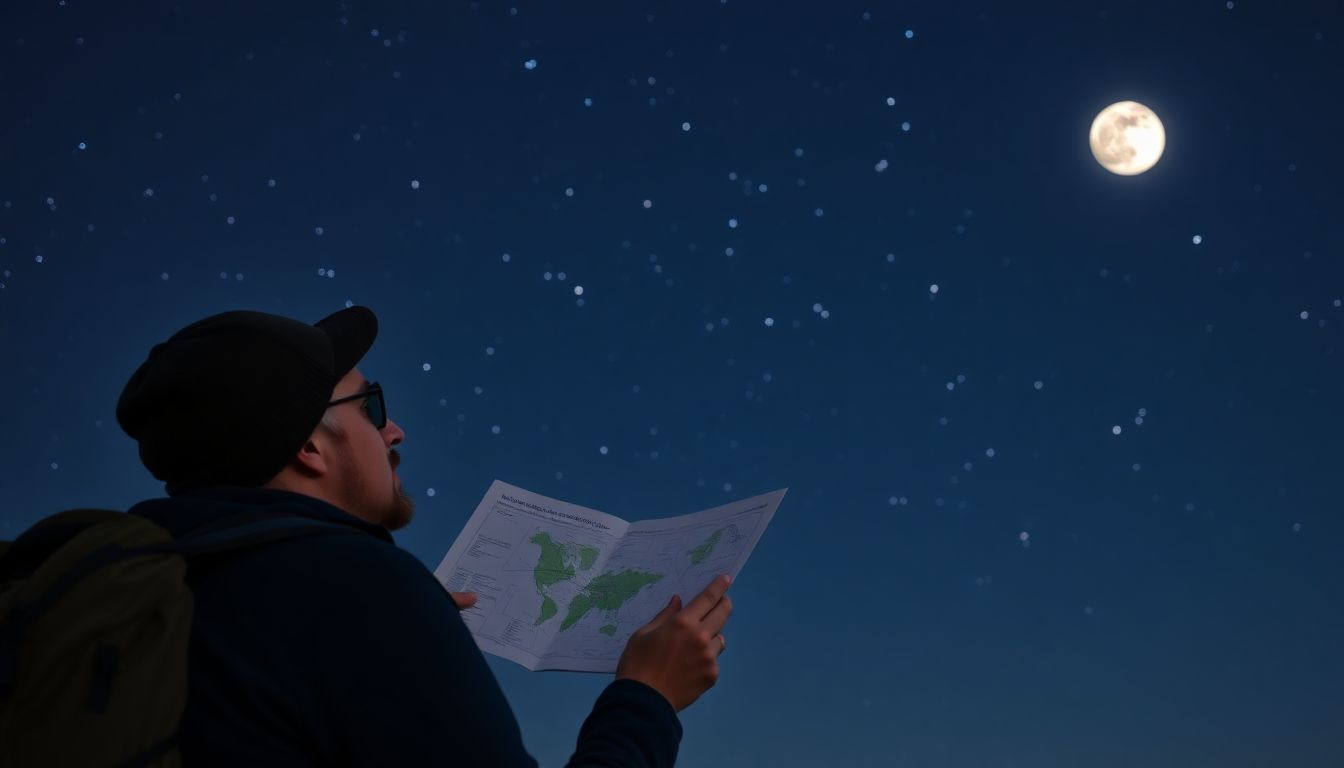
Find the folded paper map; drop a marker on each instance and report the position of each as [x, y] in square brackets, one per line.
[561, 586]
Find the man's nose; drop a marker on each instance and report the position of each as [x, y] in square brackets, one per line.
[393, 434]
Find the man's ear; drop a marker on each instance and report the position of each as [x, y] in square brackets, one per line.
[314, 458]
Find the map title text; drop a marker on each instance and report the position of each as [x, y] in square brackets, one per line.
[535, 508]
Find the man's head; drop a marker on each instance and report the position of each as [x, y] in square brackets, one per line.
[349, 461]
[241, 399]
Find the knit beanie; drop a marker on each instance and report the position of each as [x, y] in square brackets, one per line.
[229, 400]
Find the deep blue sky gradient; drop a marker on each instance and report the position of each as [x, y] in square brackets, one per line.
[1179, 599]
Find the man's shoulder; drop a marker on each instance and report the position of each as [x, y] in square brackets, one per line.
[340, 551]
[300, 643]
[308, 590]
[336, 556]
[207, 508]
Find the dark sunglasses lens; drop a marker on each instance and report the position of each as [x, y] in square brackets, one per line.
[377, 412]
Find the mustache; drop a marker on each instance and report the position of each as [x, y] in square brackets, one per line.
[394, 457]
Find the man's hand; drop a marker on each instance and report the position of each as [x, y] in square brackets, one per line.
[677, 653]
[464, 600]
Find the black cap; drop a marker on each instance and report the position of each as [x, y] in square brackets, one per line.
[229, 400]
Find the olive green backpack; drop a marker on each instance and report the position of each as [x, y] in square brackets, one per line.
[95, 620]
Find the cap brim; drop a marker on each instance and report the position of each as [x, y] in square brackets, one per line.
[352, 331]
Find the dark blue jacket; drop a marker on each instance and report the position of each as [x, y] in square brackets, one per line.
[338, 650]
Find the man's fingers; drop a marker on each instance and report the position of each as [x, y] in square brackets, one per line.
[718, 616]
[705, 601]
[668, 611]
[464, 600]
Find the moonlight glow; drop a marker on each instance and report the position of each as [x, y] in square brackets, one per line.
[1127, 138]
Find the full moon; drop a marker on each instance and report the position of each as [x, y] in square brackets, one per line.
[1127, 138]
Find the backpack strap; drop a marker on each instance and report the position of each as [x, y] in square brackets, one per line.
[19, 558]
[249, 530]
[153, 754]
[227, 535]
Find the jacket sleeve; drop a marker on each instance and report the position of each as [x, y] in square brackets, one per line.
[416, 689]
[400, 680]
[630, 725]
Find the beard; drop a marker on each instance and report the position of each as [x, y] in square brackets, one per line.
[400, 511]
[392, 513]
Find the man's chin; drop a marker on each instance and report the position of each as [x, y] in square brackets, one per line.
[403, 509]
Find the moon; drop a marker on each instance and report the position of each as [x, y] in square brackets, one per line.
[1127, 138]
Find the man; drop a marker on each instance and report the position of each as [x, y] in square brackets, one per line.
[344, 649]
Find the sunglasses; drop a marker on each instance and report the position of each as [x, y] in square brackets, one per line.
[373, 403]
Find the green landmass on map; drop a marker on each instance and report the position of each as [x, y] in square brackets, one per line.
[577, 608]
[548, 609]
[551, 567]
[588, 556]
[703, 551]
[607, 592]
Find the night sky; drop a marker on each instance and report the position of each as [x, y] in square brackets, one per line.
[1063, 447]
